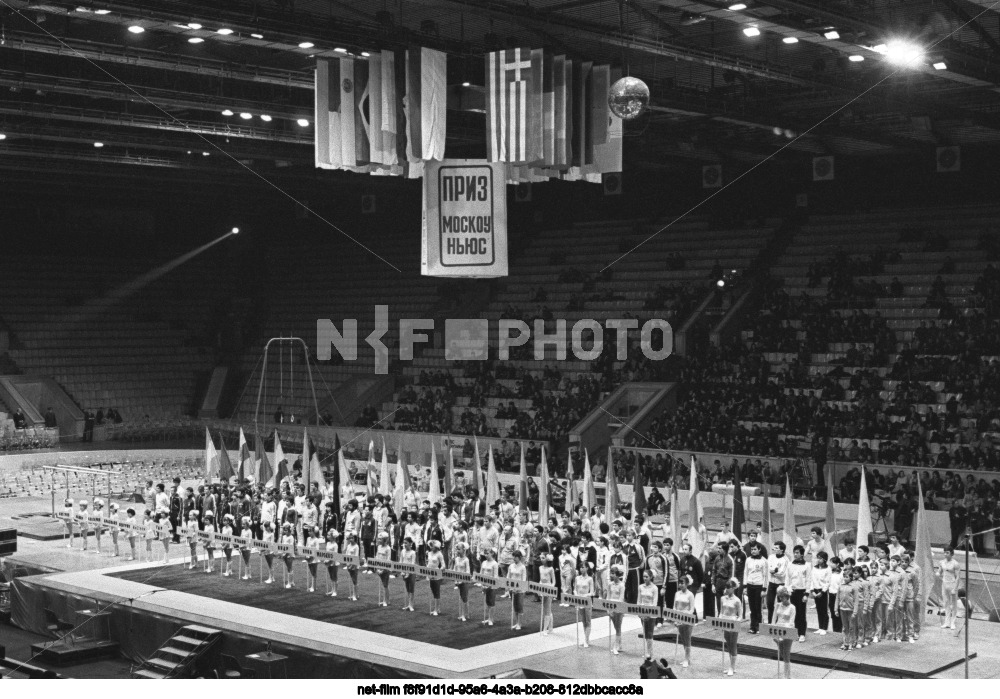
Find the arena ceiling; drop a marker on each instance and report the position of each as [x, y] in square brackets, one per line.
[72, 74]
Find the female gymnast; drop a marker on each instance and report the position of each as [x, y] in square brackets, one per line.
[949, 571]
[684, 602]
[518, 571]
[616, 593]
[784, 615]
[730, 607]
[492, 568]
[546, 576]
[435, 559]
[460, 564]
[583, 586]
[331, 566]
[409, 556]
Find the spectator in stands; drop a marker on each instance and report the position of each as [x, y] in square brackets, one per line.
[50, 418]
[279, 416]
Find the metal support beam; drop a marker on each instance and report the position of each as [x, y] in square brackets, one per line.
[973, 24]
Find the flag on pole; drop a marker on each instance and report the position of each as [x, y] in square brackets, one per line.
[612, 498]
[477, 472]
[765, 522]
[543, 491]
[211, 458]
[864, 513]
[788, 529]
[562, 79]
[426, 102]
[522, 486]
[384, 482]
[492, 482]
[589, 492]
[830, 535]
[346, 482]
[739, 514]
[246, 460]
[694, 532]
[264, 470]
[307, 475]
[434, 489]
[548, 129]
[572, 494]
[675, 513]
[638, 493]
[371, 467]
[403, 483]
[280, 463]
[449, 471]
[225, 465]
[336, 477]
[922, 554]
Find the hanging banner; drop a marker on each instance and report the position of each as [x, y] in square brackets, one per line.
[465, 219]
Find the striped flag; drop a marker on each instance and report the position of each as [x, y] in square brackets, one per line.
[612, 498]
[543, 491]
[264, 470]
[426, 102]
[384, 480]
[675, 513]
[739, 513]
[514, 105]
[765, 522]
[434, 486]
[522, 490]
[789, 530]
[638, 493]
[583, 143]
[589, 492]
[245, 457]
[280, 463]
[403, 483]
[548, 129]
[449, 471]
[336, 475]
[307, 475]
[572, 494]
[477, 472]
[225, 465]
[830, 535]
[608, 129]
[336, 108]
[492, 482]
[694, 534]
[562, 85]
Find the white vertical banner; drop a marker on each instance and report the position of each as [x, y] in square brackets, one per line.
[464, 219]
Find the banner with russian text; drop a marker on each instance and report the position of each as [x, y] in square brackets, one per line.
[464, 219]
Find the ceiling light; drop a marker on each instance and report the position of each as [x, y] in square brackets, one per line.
[736, 7]
[102, 12]
[880, 48]
[790, 40]
[225, 31]
[303, 122]
[83, 9]
[98, 144]
[194, 25]
[3, 136]
[235, 231]
[365, 54]
[136, 29]
[831, 34]
[227, 112]
[340, 49]
[940, 65]
[205, 153]
[189, 152]
[856, 58]
[466, 84]
[246, 115]
[257, 36]
[903, 53]
[265, 117]
[306, 45]
[195, 40]
[751, 31]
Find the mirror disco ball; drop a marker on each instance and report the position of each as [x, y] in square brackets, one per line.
[628, 98]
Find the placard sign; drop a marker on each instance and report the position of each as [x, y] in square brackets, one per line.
[465, 219]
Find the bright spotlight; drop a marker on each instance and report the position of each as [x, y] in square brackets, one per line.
[246, 115]
[306, 45]
[225, 31]
[205, 153]
[832, 34]
[102, 12]
[720, 283]
[790, 40]
[235, 231]
[940, 65]
[903, 53]
[856, 58]
[340, 49]
[98, 144]
[751, 31]
[365, 54]
[257, 36]
[136, 29]
[466, 84]
[737, 6]
[227, 112]
[195, 40]
[265, 117]
[194, 25]
[303, 122]
[3, 136]
[777, 131]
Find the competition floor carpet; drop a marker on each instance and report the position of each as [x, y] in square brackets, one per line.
[444, 630]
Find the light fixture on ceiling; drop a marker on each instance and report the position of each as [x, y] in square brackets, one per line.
[306, 45]
[831, 34]
[83, 9]
[227, 112]
[98, 144]
[940, 65]
[856, 58]
[246, 115]
[265, 117]
[900, 52]
[340, 49]
[205, 153]
[466, 84]
[302, 122]
[225, 31]
[751, 31]
[790, 40]
[235, 231]
[737, 6]
[137, 29]
[102, 12]
[3, 136]
[257, 36]
[194, 25]
[365, 54]
[691, 18]
[195, 40]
